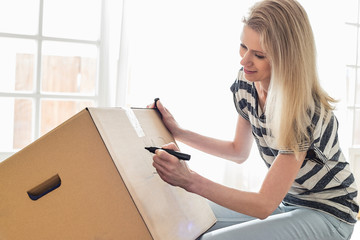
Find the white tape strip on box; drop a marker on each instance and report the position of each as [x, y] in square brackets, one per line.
[134, 122]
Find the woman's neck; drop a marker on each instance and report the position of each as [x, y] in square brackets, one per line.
[262, 94]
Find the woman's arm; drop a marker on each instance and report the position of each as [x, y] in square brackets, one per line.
[237, 150]
[259, 204]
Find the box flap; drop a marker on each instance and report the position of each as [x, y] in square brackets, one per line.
[169, 212]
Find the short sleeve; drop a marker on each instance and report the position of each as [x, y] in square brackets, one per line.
[308, 144]
[241, 90]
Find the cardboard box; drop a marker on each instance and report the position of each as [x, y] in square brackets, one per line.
[91, 178]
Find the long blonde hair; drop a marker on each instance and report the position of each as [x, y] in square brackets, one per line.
[287, 38]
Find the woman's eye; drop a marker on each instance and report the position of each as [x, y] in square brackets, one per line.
[258, 55]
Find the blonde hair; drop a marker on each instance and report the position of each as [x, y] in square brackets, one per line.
[287, 38]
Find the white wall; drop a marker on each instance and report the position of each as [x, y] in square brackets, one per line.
[186, 53]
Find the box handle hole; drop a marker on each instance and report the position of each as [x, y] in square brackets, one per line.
[44, 188]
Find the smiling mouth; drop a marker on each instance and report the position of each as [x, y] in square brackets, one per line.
[249, 72]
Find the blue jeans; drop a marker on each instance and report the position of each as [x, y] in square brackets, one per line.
[286, 223]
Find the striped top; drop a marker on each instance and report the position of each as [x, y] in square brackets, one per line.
[324, 181]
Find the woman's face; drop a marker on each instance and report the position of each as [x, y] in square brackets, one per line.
[256, 64]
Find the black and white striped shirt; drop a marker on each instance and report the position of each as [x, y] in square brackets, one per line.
[324, 182]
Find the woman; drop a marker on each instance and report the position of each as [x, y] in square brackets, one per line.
[309, 191]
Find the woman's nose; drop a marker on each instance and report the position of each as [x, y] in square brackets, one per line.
[246, 60]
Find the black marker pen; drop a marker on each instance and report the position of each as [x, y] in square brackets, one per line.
[179, 155]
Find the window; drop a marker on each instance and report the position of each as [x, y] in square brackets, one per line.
[353, 86]
[353, 74]
[52, 54]
[55, 52]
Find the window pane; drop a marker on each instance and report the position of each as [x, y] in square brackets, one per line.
[69, 68]
[350, 85]
[62, 19]
[16, 124]
[19, 16]
[23, 123]
[356, 131]
[350, 43]
[351, 7]
[357, 86]
[19, 58]
[55, 112]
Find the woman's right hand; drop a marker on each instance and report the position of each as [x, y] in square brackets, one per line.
[167, 119]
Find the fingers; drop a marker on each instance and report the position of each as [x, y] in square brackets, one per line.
[163, 160]
[152, 105]
[165, 157]
[168, 167]
[167, 118]
[158, 105]
[171, 170]
[160, 169]
[171, 146]
[155, 104]
[164, 164]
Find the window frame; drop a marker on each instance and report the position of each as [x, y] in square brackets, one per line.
[354, 150]
[104, 91]
[352, 107]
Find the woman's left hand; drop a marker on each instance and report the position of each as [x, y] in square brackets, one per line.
[171, 169]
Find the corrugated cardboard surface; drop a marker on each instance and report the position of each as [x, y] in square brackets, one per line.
[169, 212]
[109, 189]
[91, 203]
